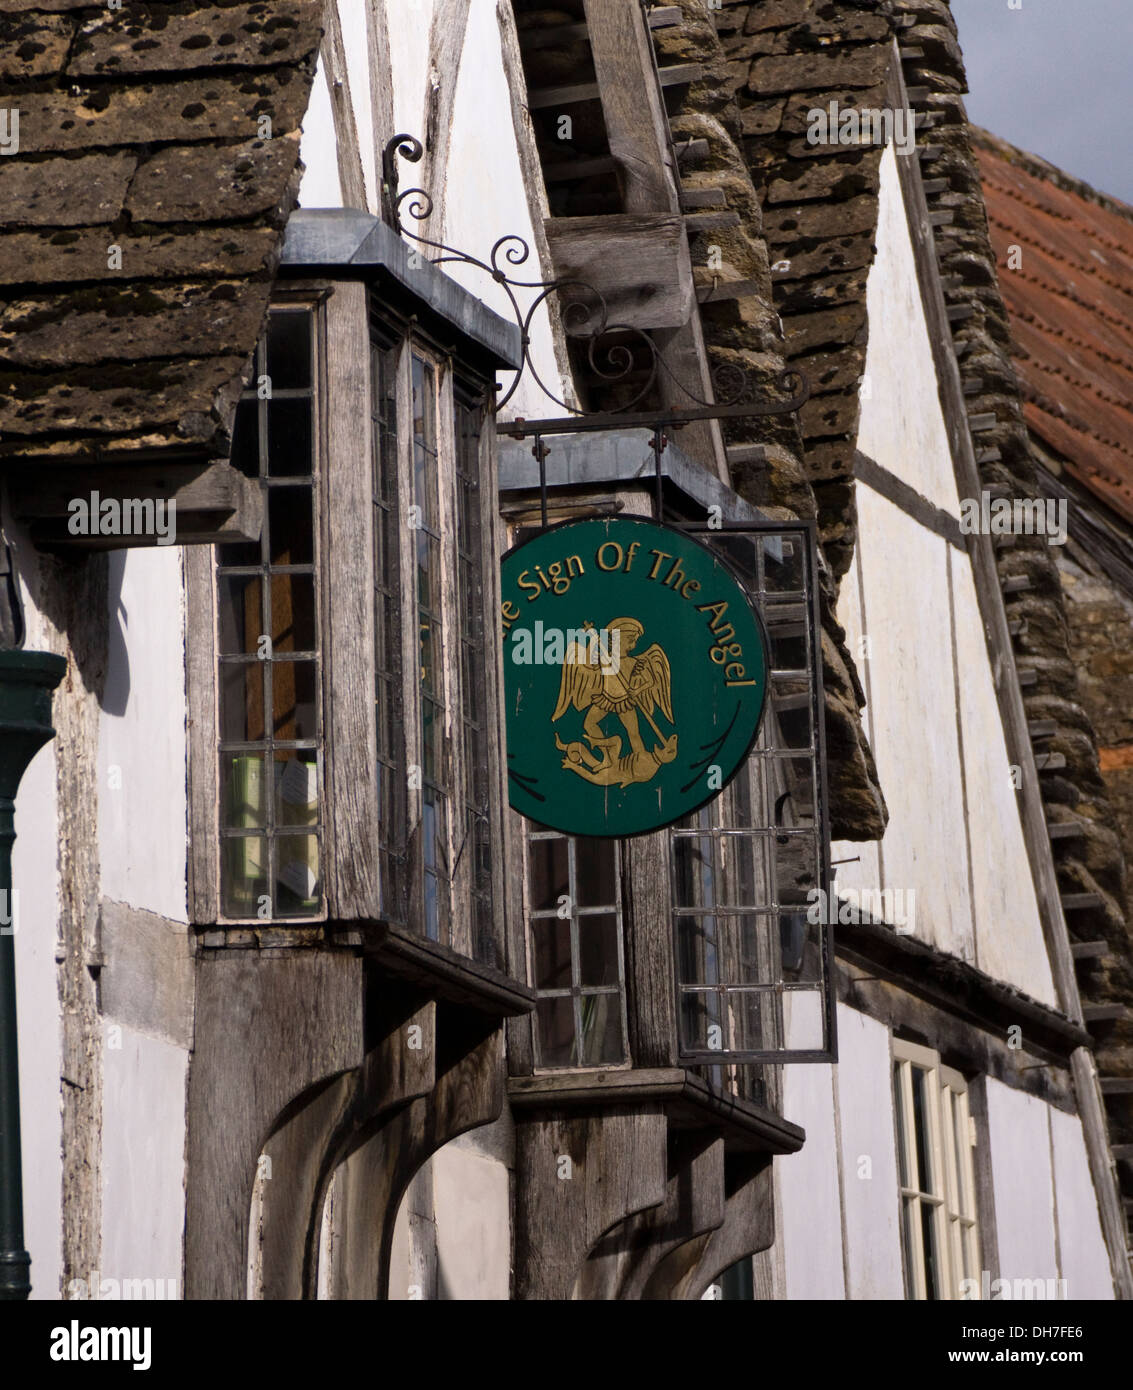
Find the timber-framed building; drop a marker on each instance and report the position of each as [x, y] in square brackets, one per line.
[306, 1009]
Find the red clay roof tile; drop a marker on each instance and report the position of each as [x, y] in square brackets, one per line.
[1071, 309]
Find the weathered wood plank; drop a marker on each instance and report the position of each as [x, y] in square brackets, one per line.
[631, 104]
[468, 1093]
[1081, 902]
[1103, 1013]
[703, 198]
[650, 972]
[574, 93]
[1089, 950]
[381, 83]
[203, 775]
[623, 1262]
[639, 263]
[1102, 1170]
[618, 1166]
[269, 1026]
[711, 221]
[214, 502]
[748, 1227]
[580, 169]
[350, 768]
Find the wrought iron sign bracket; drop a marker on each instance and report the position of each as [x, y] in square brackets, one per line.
[737, 394]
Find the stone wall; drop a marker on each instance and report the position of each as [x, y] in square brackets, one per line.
[811, 329]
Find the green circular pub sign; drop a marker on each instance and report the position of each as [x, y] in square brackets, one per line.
[635, 672]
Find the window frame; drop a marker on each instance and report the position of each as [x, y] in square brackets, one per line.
[346, 312]
[955, 1201]
[772, 752]
[576, 991]
[220, 571]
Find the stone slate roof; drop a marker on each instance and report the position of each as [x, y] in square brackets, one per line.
[1071, 308]
[144, 129]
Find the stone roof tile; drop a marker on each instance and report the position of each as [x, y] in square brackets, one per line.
[157, 163]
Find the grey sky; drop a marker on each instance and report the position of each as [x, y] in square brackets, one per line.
[1054, 78]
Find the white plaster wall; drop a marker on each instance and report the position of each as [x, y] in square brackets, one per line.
[320, 186]
[142, 822]
[902, 424]
[912, 720]
[399, 1255]
[35, 919]
[858, 861]
[869, 1158]
[408, 23]
[810, 1230]
[143, 1167]
[1008, 930]
[909, 597]
[1085, 1263]
[1021, 1178]
[352, 16]
[471, 1205]
[485, 196]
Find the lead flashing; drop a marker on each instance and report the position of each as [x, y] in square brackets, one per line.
[337, 240]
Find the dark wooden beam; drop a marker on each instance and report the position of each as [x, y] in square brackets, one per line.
[215, 502]
[540, 98]
[1065, 830]
[639, 263]
[1103, 1013]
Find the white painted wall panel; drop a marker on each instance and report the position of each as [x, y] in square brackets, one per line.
[902, 425]
[35, 877]
[869, 1157]
[913, 720]
[409, 22]
[143, 1165]
[994, 922]
[472, 1208]
[1085, 1263]
[482, 156]
[1021, 1177]
[317, 149]
[1008, 930]
[811, 1226]
[142, 823]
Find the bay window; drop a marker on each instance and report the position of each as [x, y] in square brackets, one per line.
[345, 764]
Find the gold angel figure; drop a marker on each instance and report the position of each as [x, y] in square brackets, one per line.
[616, 683]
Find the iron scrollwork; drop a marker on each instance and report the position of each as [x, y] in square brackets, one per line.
[609, 347]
